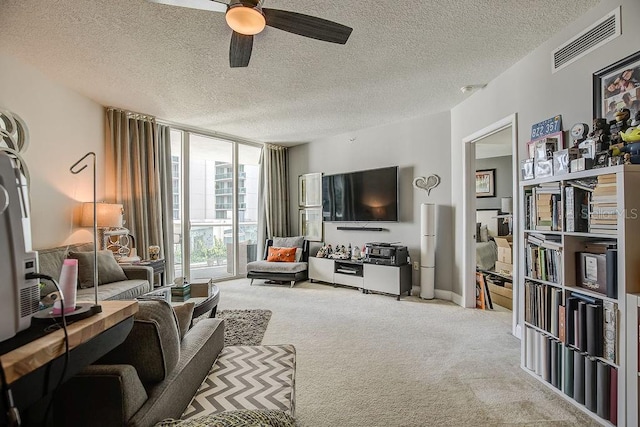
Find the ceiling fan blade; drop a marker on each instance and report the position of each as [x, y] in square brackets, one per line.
[240, 50]
[212, 5]
[308, 26]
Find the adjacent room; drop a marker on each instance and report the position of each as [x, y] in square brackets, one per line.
[319, 213]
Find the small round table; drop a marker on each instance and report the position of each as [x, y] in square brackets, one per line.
[204, 304]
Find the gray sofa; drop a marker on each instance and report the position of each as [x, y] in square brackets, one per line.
[150, 377]
[139, 278]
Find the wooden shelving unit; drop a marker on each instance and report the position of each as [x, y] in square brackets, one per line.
[626, 239]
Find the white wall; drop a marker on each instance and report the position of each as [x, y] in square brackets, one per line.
[419, 147]
[63, 126]
[534, 93]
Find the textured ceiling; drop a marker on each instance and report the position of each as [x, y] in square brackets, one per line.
[404, 59]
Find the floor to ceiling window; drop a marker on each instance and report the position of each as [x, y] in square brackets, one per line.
[215, 212]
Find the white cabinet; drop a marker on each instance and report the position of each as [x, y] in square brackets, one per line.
[394, 280]
[388, 279]
[321, 269]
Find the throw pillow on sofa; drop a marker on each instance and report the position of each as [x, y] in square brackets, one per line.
[109, 270]
[281, 254]
[184, 314]
[288, 242]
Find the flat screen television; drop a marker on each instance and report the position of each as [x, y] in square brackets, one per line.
[362, 196]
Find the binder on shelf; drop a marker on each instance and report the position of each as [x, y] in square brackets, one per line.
[594, 329]
[613, 397]
[578, 377]
[554, 363]
[568, 376]
[582, 326]
[603, 388]
[571, 308]
[590, 380]
[546, 358]
[529, 357]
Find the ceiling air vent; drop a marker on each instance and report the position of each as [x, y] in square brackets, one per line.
[600, 33]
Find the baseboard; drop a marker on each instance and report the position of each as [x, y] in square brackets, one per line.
[449, 296]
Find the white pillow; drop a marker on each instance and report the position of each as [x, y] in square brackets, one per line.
[298, 254]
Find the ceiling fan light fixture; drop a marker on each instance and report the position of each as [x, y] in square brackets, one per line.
[245, 20]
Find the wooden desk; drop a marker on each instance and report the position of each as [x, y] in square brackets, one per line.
[38, 353]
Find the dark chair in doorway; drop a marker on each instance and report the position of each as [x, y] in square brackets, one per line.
[281, 272]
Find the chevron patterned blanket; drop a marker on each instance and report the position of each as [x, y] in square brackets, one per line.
[248, 377]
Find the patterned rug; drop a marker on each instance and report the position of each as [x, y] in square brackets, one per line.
[248, 377]
[244, 327]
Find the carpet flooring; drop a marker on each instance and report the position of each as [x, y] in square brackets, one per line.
[244, 327]
[369, 360]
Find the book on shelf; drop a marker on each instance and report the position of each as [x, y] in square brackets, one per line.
[610, 334]
[587, 184]
[603, 213]
[543, 207]
[610, 177]
[542, 262]
[576, 209]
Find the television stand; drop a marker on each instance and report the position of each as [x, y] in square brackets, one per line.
[388, 279]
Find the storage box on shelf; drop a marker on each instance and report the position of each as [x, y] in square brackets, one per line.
[579, 260]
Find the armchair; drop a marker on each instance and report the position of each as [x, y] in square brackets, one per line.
[281, 271]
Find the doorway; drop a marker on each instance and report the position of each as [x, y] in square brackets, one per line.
[491, 201]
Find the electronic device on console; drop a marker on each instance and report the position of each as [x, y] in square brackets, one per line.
[20, 297]
[385, 254]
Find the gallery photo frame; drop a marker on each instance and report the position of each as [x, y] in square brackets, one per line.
[486, 183]
[617, 86]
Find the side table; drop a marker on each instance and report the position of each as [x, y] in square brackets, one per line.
[158, 266]
[160, 292]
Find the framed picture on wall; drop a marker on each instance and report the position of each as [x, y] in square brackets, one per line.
[617, 86]
[486, 183]
[310, 190]
[310, 223]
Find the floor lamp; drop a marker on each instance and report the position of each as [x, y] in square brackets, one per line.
[75, 169]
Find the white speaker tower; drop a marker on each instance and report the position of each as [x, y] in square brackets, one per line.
[427, 250]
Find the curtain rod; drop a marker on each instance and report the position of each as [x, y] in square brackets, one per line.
[187, 128]
[208, 132]
[133, 114]
[276, 147]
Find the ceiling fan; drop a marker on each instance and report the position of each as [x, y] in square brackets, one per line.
[247, 18]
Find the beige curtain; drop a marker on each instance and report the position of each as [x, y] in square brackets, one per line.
[138, 175]
[274, 201]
